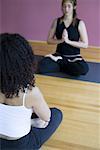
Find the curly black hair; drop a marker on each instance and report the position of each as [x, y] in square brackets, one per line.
[16, 64]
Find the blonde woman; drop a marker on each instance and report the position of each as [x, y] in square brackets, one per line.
[70, 34]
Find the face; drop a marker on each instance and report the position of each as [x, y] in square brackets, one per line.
[67, 8]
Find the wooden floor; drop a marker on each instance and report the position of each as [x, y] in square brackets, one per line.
[80, 104]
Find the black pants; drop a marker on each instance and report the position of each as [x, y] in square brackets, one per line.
[77, 68]
[37, 136]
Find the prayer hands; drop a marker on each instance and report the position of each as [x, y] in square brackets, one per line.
[39, 123]
[65, 35]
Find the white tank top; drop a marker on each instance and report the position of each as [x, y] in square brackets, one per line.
[15, 121]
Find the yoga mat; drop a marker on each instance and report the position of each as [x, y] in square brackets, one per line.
[92, 76]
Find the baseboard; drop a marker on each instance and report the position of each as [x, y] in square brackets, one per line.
[91, 54]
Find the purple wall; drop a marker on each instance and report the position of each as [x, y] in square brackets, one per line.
[89, 11]
[33, 18]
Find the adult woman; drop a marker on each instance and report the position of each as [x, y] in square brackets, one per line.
[69, 33]
[19, 98]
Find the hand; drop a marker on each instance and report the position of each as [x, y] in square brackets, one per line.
[39, 123]
[55, 58]
[65, 35]
[48, 55]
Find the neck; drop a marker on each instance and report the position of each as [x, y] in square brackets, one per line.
[68, 18]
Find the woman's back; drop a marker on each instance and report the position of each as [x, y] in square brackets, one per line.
[15, 121]
[19, 97]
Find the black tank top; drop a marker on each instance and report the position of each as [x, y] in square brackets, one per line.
[73, 35]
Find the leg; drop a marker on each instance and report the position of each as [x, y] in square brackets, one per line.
[85, 67]
[28, 142]
[47, 65]
[36, 137]
[77, 68]
[74, 68]
[44, 134]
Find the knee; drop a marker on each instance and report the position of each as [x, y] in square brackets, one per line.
[42, 65]
[57, 113]
[47, 65]
[86, 69]
[82, 70]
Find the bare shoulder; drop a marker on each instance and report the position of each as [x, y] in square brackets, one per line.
[54, 23]
[55, 20]
[81, 24]
[33, 97]
[2, 98]
[16, 101]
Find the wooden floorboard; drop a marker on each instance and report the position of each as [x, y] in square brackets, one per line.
[80, 104]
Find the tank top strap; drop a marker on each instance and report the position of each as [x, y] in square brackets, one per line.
[77, 22]
[58, 20]
[24, 96]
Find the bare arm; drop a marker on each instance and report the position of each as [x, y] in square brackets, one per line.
[83, 43]
[51, 36]
[39, 104]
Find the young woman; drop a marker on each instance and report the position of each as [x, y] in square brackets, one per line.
[20, 98]
[69, 33]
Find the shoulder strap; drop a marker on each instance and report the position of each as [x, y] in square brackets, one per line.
[24, 96]
[58, 20]
[77, 22]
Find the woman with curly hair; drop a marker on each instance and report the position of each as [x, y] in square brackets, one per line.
[69, 33]
[20, 98]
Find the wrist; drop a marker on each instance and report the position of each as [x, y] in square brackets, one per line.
[61, 41]
[67, 41]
